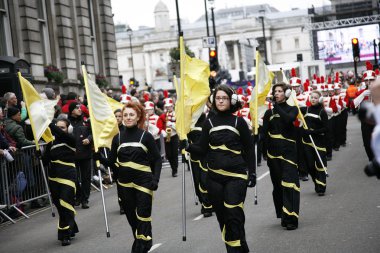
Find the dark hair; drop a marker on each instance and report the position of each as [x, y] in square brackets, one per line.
[67, 122]
[140, 113]
[71, 96]
[283, 86]
[116, 111]
[229, 91]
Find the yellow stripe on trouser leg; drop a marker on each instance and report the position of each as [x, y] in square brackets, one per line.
[201, 189]
[64, 228]
[319, 169]
[290, 185]
[143, 237]
[63, 181]
[142, 218]
[289, 213]
[67, 205]
[319, 182]
[241, 205]
[137, 187]
[206, 207]
[235, 243]
[282, 158]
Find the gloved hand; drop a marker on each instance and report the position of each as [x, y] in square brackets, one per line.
[154, 185]
[251, 180]
[97, 156]
[183, 144]
[307, 132]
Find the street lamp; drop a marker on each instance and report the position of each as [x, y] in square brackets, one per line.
[261, 17]
[212, 7]
[130, 33]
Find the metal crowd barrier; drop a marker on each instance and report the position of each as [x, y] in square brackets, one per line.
[22, 180]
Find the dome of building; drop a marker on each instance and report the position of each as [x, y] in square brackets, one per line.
[161, 7]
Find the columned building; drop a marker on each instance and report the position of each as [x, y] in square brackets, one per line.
[63, 33]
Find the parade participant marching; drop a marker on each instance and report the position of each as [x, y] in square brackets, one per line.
[369, 77]
[151, 121]
[280, 137]
[166, 124]
[331, 110]
[135, 157]
[228, 144]
[316, 120]
[62, 178]
[200, 169]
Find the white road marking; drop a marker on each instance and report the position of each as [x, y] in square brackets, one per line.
[199, 217]
[264, 175]
[155, 247]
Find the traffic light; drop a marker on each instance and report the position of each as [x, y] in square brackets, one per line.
[214, 65]
[131, 81]
[355, 49]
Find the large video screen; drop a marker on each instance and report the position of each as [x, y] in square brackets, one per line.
[334, 46]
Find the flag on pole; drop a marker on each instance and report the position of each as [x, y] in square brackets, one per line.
[103, 122]
[192, 93]
[292, 101]
[284, 78]
[40, 111]
[263, 83]
[113, 103]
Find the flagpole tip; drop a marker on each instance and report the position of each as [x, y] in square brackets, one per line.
[82, 62]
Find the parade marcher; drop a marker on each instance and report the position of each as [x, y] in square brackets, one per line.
[369, 77]
[228, 144]
[135, 156]
[316, 121]
[166, 124]
[331, 109]
[199, 169]
[83, 139]
[151, 121]
[119, 119]
[280, 137]
[62, 177]
[295, 83]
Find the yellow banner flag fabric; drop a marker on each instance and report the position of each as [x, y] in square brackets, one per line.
[193, 93]
[263, 83]
[103, 122]
[39, 111]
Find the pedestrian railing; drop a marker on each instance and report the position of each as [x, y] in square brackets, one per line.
[23, 179]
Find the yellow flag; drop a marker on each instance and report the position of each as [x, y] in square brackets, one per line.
[292, 101]
[39, 111]
[193, 92]
[263, 83]
[103, 122]
[113, 103]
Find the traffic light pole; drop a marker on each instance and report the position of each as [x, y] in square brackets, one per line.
[356, 68]
[214, 31]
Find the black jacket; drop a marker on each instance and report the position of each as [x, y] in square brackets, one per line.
[81, 131]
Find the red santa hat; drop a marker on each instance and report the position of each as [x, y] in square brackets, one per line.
[369, 74]
[146, 97]
[306, 85]
[149, 105]
[249, 90]
[166, 94]
[123, 89]
[294, 81]
[239, 91]
[125, 99]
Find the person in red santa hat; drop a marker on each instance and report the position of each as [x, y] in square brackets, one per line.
[151, 123]
[166, 124]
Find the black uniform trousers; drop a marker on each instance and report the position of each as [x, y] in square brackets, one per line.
[83, 182]
[330, 137]
[200, 184]
[313, 163]
[62, 180]
[367, 130]
[343, 127]
[171, 151]
[286, 189]
[227, 196]
[136, 200]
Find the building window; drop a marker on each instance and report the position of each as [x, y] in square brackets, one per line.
[44, 33]
[93, 35]
[5, 31]
[296, 43]
[278, 45]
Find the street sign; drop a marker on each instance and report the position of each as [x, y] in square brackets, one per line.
[208, 42]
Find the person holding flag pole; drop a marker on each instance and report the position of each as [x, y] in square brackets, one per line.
[103, 125]
[41, 113]
[257, 105]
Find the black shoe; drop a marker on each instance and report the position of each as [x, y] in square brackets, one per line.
[321, 194]
[336, 149]
[66, 242]
[258, 164]
[174, 174]
[207, 214]
[77, 203]
[283, 224]
[291, 227]
[85, 205]
[122, 211]
[304, 178]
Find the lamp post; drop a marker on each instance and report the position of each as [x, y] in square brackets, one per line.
[206, 16]
[262, 14]
[130, 33]
[212, 7]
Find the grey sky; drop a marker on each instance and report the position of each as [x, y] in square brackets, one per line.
[140, 12]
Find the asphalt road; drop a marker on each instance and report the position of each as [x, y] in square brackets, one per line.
[346, 220]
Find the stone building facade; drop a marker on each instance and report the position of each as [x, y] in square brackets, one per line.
[63, 33]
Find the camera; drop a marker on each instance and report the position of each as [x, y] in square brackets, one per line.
[373, 169]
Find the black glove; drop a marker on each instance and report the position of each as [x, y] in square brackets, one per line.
[307, 132]
[251, 180]
[154, 185]
[183, 144]
[97, 156]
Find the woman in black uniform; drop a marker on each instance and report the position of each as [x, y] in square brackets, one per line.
[280, 141]
[137, 161]
[62, 177]
[317, 123]
[228, 143]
